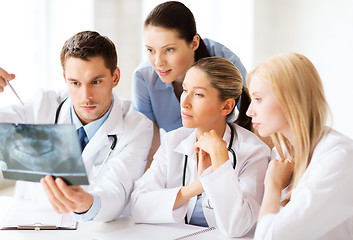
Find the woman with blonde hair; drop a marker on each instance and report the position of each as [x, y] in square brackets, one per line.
[209, 172]
[308, 184]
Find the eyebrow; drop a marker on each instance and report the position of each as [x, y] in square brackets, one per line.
[167, 45]
[92, 79]
[197, 87]
[255, 93]
[200, 88]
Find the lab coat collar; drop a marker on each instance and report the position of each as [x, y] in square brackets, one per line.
[64, 116]
[186, 146]
[113, 125]
[227, 134]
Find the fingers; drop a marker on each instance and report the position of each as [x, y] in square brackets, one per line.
[4, 75]
[208, 140]
[56, 196]
[289, 161]
[279, 173]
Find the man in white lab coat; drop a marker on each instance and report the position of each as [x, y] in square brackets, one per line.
[89, 62]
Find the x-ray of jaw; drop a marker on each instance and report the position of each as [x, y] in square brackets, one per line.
[29, 152]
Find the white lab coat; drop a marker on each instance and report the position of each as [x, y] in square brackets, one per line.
[232, 198]
[321, 206]
[126, 164]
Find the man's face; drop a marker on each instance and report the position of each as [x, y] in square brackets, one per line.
[90, 85]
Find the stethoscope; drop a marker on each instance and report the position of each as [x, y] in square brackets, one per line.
[229, 149]
[111, 148]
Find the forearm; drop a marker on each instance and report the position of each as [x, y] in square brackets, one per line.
[271, 201]
[156, 142]
[219, 157]
[187, 192]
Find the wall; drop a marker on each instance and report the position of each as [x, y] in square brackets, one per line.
[322, 31]
[121, 22]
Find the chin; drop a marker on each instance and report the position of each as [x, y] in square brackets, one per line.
[188, 125]
[262, 133]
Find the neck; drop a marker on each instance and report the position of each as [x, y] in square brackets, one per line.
[290, 136]
[219, 128]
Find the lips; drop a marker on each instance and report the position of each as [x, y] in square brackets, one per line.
[88, 107]
[255, 125]
[164, 73]
[185, 115]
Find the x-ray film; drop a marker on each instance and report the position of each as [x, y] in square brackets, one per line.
[29, 152]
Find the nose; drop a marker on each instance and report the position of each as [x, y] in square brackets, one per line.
[250, 112]
[159, 59]
[87, 93]
[184, 100]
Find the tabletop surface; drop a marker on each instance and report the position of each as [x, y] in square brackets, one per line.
[122, 228]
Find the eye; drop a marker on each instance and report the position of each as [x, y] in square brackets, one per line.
[74, 83]
[257, 99]
[149, 50]
[169, 50]
[184, 90]
[199, 95]
[96, 82]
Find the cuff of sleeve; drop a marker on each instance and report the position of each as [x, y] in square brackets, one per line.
[263, 228]
[219, 170]
[179, 213]
[91, 213]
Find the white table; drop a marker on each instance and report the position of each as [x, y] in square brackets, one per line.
[123, 228]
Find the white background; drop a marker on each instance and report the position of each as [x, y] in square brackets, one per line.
[33, 32]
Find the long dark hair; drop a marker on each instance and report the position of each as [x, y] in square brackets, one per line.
[226, 78]
[175, 15]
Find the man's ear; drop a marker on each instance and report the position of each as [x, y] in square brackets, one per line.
[64, 77]
[116, 76]
[228, 106]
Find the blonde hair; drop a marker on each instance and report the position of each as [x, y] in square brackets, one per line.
[298, 87]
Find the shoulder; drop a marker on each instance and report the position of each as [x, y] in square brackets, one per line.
[218, 49]
[145, 70]
[50, 95]
[334, 143]
[44, 100]
[178, 134]
[129, 114]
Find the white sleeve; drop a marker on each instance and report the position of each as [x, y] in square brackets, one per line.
[125, 167]
[236, 197]
[39, 109]
[151, 201]
[322, 200]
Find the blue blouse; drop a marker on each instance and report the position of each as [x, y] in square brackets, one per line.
[157, 100]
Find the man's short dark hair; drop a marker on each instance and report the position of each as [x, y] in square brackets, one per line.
[88, 44]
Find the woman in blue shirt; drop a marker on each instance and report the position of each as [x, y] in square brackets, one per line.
[173, 45]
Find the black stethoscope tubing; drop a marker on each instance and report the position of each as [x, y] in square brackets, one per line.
[115, 139]
[229, 149]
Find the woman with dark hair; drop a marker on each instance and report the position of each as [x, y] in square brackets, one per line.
[173, 45]
[209, 172]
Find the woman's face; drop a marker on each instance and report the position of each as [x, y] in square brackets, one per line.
[200, 104]
[169, 55]
[265, 110]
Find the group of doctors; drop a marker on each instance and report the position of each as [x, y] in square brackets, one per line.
[209, 170]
